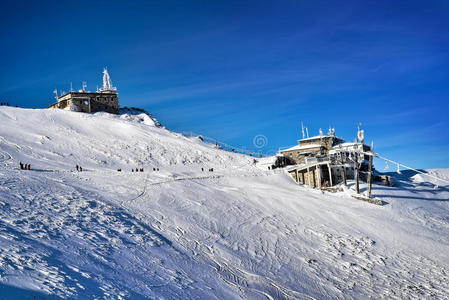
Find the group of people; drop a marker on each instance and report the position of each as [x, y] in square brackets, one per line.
[80, 169]
[4, 104]
[24, 166]
[138, 170]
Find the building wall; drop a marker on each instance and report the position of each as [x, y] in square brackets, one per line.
[326, 142]
[303, 176]
[89, 102]
[293, 156]
[296, 156]
[318, 173]
[105, 102]
[337, 176]
[79, 104]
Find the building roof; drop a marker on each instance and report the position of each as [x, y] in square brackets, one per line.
[83, 93]
[346, 144]
[319, 137]
[302, 147]
[350, 146]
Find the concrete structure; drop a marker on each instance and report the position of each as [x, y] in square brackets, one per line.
[326, 160]
[104, 99]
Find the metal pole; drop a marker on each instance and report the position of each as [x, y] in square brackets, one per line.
[319, 175]
[370, 175]
[308, 176]
[356, 165]
[343, 171]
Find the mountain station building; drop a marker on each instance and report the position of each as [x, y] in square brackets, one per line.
[104, 99]
[319, 160]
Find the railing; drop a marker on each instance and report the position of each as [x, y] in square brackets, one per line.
[221, 145]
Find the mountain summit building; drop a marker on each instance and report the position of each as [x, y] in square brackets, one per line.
[104, 99]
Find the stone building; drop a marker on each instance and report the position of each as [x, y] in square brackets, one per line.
[323, 159]
[104, 99]
[316, 146]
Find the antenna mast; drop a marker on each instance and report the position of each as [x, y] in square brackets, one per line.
[302, 127]
[107, 84]
[360, 133]
[56, 94]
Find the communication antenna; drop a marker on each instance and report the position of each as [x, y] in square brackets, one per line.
[307, 131]
[107, 83]
[302, 127]
[71, 89]
[56, 94]
[360, 133]
[84, 86]
[321, 133]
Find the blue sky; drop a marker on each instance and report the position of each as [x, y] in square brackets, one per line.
[235, 69]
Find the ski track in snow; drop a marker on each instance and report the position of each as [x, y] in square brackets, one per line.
[237, 232]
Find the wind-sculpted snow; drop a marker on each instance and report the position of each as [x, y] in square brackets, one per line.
[241, 231]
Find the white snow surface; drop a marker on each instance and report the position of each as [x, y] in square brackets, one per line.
[242, 231]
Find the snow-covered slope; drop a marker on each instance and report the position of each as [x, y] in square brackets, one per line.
[241, 231]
